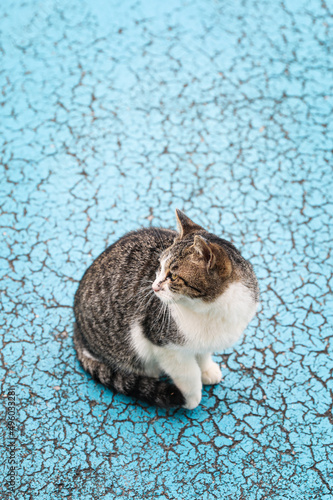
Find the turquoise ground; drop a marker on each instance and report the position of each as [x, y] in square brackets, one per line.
[114, 113]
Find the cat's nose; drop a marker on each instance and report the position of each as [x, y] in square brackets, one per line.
[156, 288]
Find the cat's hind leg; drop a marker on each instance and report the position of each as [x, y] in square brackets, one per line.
[141, 386]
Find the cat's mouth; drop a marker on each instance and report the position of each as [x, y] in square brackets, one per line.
[163, 293]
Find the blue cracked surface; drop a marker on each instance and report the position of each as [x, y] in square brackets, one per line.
[113, 114]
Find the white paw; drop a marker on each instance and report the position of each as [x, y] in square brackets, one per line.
[192, 401]
[212, 375]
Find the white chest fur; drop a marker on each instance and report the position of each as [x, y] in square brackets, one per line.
[216, 326]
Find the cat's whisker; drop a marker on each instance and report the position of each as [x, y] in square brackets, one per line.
[160, 311]
[144, 291]
[142, 301]
[165, 310]
[178, 309]
[162, 329]
[159, 324]
[151, 298]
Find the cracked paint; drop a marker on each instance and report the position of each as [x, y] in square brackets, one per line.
[112, 115]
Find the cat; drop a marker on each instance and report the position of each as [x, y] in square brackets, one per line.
[160, 302]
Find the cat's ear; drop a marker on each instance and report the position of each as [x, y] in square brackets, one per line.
[185, 225]
[203, 248]
[213, 255]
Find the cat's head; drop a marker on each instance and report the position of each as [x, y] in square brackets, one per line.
[193, 269]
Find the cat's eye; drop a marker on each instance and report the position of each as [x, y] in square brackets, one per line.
[172, 276]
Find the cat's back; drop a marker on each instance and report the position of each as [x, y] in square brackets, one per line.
[124, 264]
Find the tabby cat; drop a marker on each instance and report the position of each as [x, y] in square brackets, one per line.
[159, 302]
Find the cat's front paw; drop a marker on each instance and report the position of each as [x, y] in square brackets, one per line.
[192, 401]
[212, 375]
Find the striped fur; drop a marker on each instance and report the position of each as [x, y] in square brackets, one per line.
[151, 390]
[158, 302]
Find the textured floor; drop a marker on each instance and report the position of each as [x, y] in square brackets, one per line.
[112, 115]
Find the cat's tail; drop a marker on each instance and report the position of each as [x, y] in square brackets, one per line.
[151, 390]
